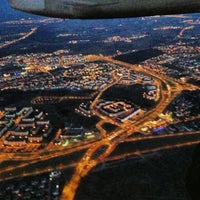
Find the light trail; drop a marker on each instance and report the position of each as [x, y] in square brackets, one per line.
[160, 136]
[8, 43]
[148, 151]
[185, 29]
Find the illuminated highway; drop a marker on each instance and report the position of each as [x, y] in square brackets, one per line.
[8, 43]
[185, 29]
[95, 152]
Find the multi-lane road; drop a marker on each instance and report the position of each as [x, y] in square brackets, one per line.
[84, 157]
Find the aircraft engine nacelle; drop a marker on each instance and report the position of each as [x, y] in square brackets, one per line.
[99, 9]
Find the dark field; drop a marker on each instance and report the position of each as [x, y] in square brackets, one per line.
[109, 127]
[152, 177]
[139, 56]
[132, 93]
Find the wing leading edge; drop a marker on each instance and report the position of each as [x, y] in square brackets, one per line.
[102, 9]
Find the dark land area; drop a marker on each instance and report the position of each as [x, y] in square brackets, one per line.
[139, 56]
[150, 177]
[109, 127]
[132, 93]
[20, 98]
[59, 112]
[193, 175]
[66, 111]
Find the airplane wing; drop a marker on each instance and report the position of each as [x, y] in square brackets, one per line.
[103, 9]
